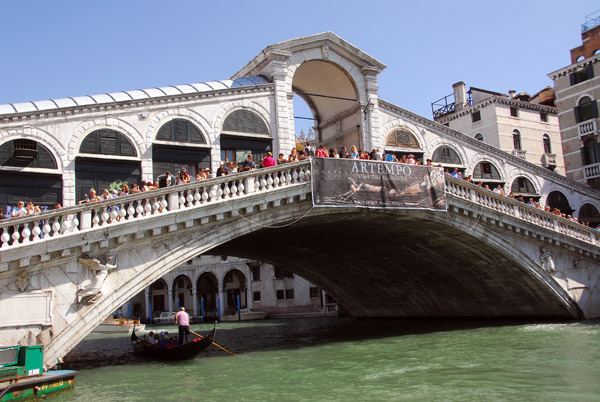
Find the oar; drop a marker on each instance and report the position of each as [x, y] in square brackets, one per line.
[219, 346]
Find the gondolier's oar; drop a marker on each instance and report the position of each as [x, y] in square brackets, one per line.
[219, 346]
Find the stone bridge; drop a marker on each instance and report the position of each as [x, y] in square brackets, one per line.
[486, 256]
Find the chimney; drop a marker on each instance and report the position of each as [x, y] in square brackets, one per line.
[460, 95]
[511, 93]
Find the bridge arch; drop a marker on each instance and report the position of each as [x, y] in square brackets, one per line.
[207, 289]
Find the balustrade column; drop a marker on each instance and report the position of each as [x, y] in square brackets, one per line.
[173, 201]
[86, 219]
[323, 301]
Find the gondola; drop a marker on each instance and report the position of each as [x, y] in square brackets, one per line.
[186, 351]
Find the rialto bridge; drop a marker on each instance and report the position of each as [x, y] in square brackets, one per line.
[486, 256]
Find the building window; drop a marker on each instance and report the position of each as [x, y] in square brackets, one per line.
[586, 110]
[256, 273]
[446, 155]
[544, 117]
[280, 295]
[479, 137]
[289, 294]
[522, 186]
[256, 296]
[582, 75]
[245, 121]
[281, 273]
[547, 145]
[590, 153]
[314, 291]
[402, 138]
[486, 170]
[476, 116]
[107, 142]
[514, 112]
[516, 139]
[180, 130]
[26, 153]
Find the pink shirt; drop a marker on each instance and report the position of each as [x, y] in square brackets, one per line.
[182, 318]
[268, 161]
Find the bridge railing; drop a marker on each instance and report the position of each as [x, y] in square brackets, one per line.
[518, 209]
[30, 228]
[59, 222]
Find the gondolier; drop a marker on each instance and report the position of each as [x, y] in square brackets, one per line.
[182, 319]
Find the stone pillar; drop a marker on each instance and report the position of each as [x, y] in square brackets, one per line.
[170, 296]
[323, 301]
[371, 136]
[284, 137]
[249, 296]
[148, 294]
[222, 297]
[195, 304]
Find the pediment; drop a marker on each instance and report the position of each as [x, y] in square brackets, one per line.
[325, 43]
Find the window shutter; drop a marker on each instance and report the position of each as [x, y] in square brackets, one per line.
[590, 71]
[572, 78]
[89, 145]
[594, 109]
[576, 111]
[180, 130]
[164, 134]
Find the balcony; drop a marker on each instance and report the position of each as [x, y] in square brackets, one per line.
[591, 171]
[588, 127]
[520, 153]
[548, 160]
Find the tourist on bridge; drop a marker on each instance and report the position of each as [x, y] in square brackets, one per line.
[268, 160]
[281, 159]
[322, 152]
[222, 170]
[182, 320]
[248, 165]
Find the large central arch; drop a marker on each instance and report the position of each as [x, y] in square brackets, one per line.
[333, 98]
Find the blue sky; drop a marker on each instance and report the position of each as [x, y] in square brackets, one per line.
[56, 49]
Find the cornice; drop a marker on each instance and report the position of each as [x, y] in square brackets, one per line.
[132, 104]
[573, 67]
[501, 100]
[538, 170]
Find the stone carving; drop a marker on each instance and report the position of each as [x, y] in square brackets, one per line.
[90, 290]
[547, 261]
[22, 282]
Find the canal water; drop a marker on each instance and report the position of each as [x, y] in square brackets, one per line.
[344, 359]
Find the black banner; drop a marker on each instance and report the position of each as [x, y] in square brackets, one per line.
[374, 184]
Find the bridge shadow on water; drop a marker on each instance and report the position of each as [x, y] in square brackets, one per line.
[99, 350]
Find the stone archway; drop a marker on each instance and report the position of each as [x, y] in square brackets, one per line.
[207, 289]
[234, 286]
[332, 95]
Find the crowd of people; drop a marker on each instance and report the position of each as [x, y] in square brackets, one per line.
[228, 167]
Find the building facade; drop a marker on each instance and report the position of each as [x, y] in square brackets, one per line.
[577, 88]
[209, 286]
[521, 124]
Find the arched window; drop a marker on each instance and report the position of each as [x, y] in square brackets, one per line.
[586, 109]
[547, 144]
[180, 130]
[556, 199]
[446, 155]
[245, 121]
[589, 213]
[479, 137]
[107, 142]
[580, 58]
[26, 153]
[402, 138]
[516, 139]
[522, 186]
[486, 171]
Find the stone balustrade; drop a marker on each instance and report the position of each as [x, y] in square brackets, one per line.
[515, 208]
[32, 228]
[60, 222]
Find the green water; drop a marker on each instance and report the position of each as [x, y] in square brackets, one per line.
[350, 360]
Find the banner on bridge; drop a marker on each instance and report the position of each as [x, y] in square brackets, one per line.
[375, 184]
